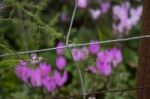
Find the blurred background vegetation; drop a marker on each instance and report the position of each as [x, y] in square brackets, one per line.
[38, 24]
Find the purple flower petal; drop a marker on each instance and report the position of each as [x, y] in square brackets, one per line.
[76, 54]
[105, 56]
[94, 48]
[36, 79]
[95, 13]
[61, 62]
[105, 7]
[104, 68]
[92, 69]
[117, 56]
[82, 3]
[60, 80]
[84, 53]
[49, 84]
[44, 69]
[60, 51]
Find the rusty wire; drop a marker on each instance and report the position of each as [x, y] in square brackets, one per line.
[99, 92]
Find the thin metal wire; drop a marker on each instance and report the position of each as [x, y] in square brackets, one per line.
[72, 19]
[69, 49]
[80, 74]
[78, 45]
[100, 92]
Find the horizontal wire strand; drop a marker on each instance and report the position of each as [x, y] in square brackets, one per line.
[77, 45]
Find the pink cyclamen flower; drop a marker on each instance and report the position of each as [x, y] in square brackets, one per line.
[80, 54]
[36, 79]
[135, 14]
[76, 54]
[82, 3]
[39, 77]
[120, 13]
[84, 53]
[94, 48]
[105, 7]
[116, 56]
[64, 77]
[23, 71]
[44, 69]
[126, 17]
[26, 74]
[60, 51]
[60, 79]
[103, 62]
[104, 68]
[92, 69]
[57, 77]
[49, 83]
[61, 62]
[95, 13]
[105, 56]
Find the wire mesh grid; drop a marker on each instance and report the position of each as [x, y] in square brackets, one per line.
[84, 94]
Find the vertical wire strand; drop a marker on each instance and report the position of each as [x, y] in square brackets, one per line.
[72, 19]
[80, 74]
[69, 49]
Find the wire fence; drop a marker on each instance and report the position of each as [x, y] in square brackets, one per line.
[69, 47]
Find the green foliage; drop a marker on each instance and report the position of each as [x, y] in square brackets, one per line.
[29, 25]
